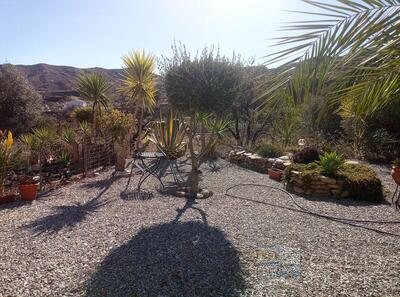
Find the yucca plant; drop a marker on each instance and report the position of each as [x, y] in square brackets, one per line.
[94, 87]
[168, 135]
[138, 84]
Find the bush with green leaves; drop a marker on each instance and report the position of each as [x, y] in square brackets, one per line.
[82, 114]
[330, 163]
[115, 123]
[268, 150]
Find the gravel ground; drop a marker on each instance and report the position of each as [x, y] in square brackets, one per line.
[92, 238]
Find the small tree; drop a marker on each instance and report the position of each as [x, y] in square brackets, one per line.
[138, 84]
[20, 104]
[94, 87]
[249, 122]
[208, 83]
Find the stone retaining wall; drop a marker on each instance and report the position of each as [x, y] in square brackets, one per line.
[256, 162]
[316, 185]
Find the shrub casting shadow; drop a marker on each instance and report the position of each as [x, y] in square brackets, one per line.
[68, 216]
[172, 259]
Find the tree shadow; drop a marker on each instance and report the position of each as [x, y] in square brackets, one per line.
[190, 204]
[65, 216]
[68, 216]
[171, 259]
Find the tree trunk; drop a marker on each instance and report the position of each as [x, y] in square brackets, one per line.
[121, 156]
[202, 137]
[194, 188]
[248, 133]
[139, 137]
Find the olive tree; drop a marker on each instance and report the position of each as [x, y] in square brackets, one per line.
[208, 83]
[20, 104]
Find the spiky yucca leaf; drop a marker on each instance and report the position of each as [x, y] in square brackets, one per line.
[138, 81]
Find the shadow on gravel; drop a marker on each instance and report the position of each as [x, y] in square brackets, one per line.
[136, 195]
[173, 259]
[68, 216]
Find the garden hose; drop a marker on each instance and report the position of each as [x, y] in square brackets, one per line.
[305, 210]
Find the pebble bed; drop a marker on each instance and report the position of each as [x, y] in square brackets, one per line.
[97, 238]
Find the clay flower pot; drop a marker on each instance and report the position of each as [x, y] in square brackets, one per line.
[275, 174]
[396, 174]
[28, 192]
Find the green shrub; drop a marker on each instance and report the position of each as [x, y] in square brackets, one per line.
[330, 163]
[361, 182]
[82, 114]
[268, 150]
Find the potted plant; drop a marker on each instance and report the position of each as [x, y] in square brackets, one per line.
[28, 188]
[6, 158]
[396, 170]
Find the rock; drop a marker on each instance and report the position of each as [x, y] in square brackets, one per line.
[284, 158]
[180, 194]
[322, 193]
[352, 162]
[206, 193]
[298, 189]
[279, 164]
[327, 180]
[286, 164]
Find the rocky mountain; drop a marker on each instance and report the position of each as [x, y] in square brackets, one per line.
[57, 84]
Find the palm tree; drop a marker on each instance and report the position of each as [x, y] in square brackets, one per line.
[94, 87]
[351, 56]
[138, 84]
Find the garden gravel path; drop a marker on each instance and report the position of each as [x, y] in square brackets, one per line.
[88, 239]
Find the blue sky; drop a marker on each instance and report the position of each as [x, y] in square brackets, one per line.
[88, 33]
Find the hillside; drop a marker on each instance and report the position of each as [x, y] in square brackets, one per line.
[57, 84]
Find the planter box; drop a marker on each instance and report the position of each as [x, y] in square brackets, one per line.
[7, 198]
[275, 174]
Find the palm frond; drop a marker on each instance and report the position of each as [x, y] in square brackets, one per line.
[355, 46]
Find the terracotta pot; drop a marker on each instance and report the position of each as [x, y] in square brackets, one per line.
[275, 174]
[7, 198]
[396, 174]
[28, 192]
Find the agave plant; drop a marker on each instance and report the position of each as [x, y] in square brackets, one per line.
[169, 136]
[330, 163]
